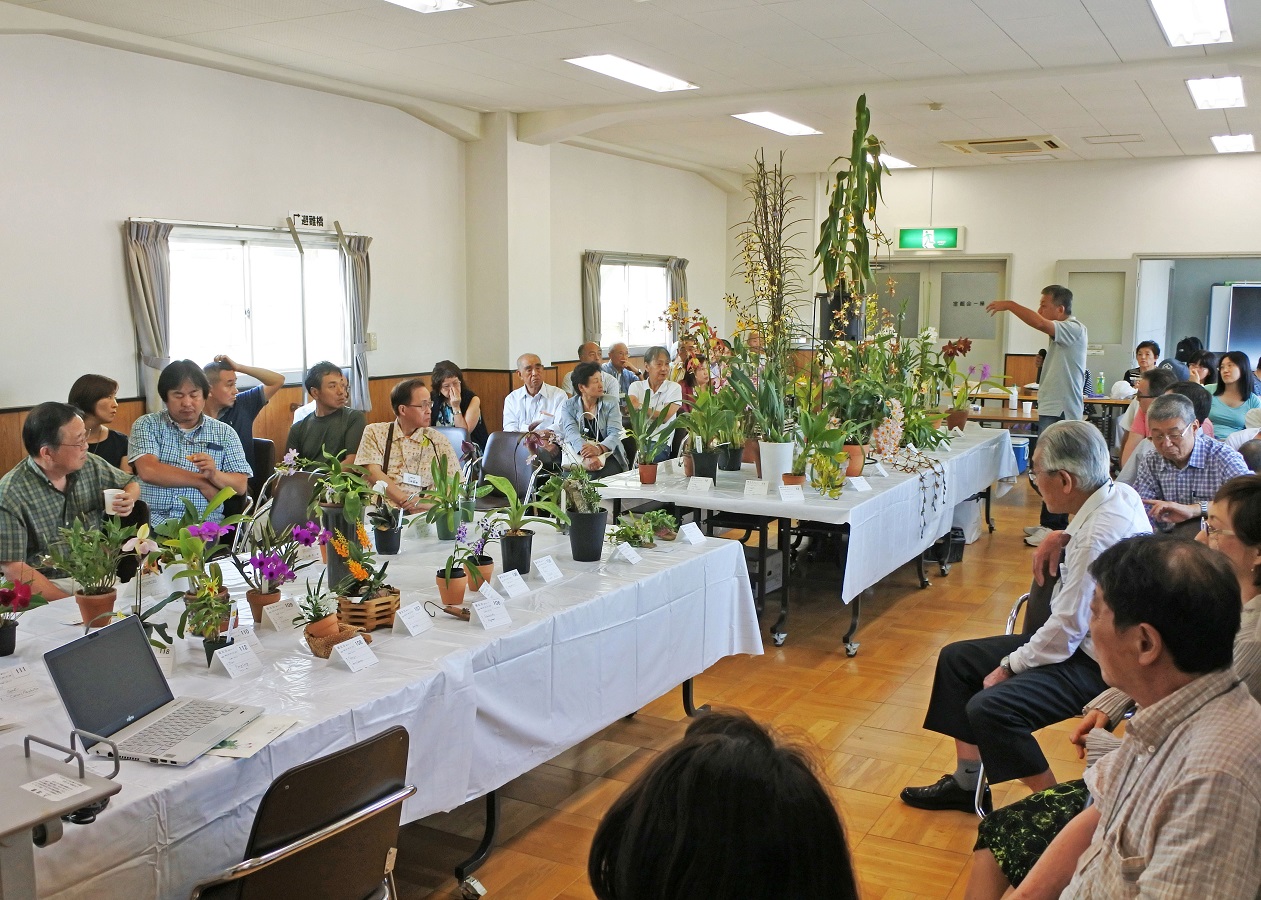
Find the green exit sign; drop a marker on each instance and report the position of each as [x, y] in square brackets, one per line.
[929, 238]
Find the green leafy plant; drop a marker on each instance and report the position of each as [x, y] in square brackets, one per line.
[90, 555]
[663, 524]
[647, 427]
[317, 604]
[634, 530]
[447, 493]
[572, 489]
[816, 439]
[963, 384]
[707, 421]
[463, 557]
[206, 608]
[384, 517]
[340, 484]
[516, 514]
[16, 597]
[270, 560]
[765, 399]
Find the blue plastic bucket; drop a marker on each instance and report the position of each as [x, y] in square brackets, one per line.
[1020, 447]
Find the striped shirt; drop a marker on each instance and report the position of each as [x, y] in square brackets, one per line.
[1180, 800]
[1210, 465]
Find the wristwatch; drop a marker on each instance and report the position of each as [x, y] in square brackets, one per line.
[1005, 665]
[1203, 509]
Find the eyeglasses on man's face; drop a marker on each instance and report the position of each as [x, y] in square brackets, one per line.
[1171, 437]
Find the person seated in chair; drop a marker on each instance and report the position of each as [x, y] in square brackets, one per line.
[1177, 806]
[401, 453]
[181, 452]
[239, 408]
[333, 427]
[96, 396]
[991, 694]
[590, 425]
[728, 813]
[1181, 477]
[57, 483]
[589, 351]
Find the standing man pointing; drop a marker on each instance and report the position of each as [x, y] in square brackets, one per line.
[1060, 391]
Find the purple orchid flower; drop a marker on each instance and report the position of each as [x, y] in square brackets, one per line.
[209, 531]
[308, 534]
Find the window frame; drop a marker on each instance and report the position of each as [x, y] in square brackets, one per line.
[645, 260]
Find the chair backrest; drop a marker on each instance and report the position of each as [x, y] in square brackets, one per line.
[456, 436]
[312, 796]
[508, 456]
[264, 465]
[1038, 606]
[291, 499]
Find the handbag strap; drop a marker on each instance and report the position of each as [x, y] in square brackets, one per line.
[389, 447]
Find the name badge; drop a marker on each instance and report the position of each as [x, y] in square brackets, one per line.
[411, 480]
[792, 492]
[756, 488]
[355, 654]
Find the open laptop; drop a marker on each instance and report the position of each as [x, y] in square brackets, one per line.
[111, 684]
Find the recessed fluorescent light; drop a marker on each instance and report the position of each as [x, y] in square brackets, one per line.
[776, 122]
[624, 69]
[1233, 143]
[1190, 22]
[431, 6]
[1113, 138]
[1216, 93]
[1029, 157]
[894, 163]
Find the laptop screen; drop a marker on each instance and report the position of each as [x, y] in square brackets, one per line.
[109, 678]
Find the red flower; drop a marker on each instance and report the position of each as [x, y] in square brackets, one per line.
[16, 598]
[960, 347]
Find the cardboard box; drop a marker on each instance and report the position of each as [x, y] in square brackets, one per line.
[774, 568]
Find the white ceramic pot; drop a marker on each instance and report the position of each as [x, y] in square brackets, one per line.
[777, 459]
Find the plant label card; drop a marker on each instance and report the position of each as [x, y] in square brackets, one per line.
[756, 488]
[489, 593]
[692, 533]
[55, 787]
[17, 683]
[280, 615]
[253, 737]
[698, 485]
[512, 582]
[414, 619]
[246, 633]
[858, 483]
[630, 554]
[238, 659]
[792, 493]
[491, 611]
[355, 654]
[548, 569]
[880, 470]
[166, 659]
[411, 480]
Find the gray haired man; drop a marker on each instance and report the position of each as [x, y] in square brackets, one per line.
[991, 694]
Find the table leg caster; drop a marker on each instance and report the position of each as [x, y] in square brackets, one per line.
[472, 889]
[944, 568]
[924, 582]
[851, 648]
[778, 637]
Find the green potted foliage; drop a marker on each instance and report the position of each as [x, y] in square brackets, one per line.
[445, 498]
[647, 427]
[387, 527]
[634, 530]
[765, 398]
[731, 448]
[706, 424]
[663, 525]
[207, 612]
[516, 539]
[90, 556]
[575, 493]
[317, 611]
[816, 440]
[342, 493]
[270, 560]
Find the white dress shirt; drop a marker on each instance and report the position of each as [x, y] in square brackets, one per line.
[521, 410]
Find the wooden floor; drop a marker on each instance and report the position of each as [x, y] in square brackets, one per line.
[862, 717]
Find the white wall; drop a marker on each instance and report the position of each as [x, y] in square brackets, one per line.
[95, 135]
[603, 202]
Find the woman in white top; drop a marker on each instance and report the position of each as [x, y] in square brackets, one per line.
[659, 390]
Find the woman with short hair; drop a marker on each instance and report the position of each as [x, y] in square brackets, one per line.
[454, 404]
[96, 396]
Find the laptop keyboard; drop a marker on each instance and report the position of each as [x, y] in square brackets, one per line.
[168, 731]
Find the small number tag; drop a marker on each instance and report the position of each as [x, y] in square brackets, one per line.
[491, 611]
[548, 569]
[697, 484]
[692, 533]
[756, 488]
[280, 615]
[512, 582]
[880, 470]
[238, 659]
[355, 653]
[246, 634]
[859, 484]
[414, 619]
[630, 554]
[17, 683]
[792, 492]
[166, 659]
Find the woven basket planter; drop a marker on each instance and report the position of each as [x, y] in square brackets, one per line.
[323, 646]
[369, 614]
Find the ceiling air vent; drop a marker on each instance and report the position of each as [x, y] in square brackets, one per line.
[1008, 147]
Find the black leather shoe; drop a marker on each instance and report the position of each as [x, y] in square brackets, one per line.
[945, 794]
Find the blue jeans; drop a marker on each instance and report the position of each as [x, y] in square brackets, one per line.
[1048, 519]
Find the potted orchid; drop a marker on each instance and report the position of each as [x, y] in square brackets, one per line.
[90, 556]
[16, 597]
[364, 599]
[273, 561]
[146, 551]
[207, 605]
[963, 385]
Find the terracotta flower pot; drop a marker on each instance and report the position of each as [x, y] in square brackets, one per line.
[790, 478]
[648, 473]
[957, 418]
[452, 592]
[857, 459]
[325, 627]
[257, 600]
[93, 607]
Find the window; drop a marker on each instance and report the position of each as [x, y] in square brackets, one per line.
[253, 296]
[634, 297]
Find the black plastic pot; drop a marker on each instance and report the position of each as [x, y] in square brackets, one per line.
[210, 645]
[334, 519]
[705, 465]
[8, 638]
[516, 552]
[729, 458]
[586, 535]
[387, 540]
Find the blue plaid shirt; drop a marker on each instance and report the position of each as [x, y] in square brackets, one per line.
[1211, 465]
[157, 434]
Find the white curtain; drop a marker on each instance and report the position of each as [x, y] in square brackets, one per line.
[148, 252]
[357, 280]
[676, 272]
[591, 260]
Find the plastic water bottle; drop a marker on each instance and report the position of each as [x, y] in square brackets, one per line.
[1099, 385]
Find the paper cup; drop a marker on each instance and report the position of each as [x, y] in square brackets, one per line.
[1026, 407]
[111, 496]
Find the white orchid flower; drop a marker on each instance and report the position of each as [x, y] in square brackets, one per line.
[141, 543]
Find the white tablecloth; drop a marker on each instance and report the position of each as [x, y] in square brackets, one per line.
[892, 523]
[482, 707]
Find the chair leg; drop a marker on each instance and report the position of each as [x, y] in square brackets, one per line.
[980, 793]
